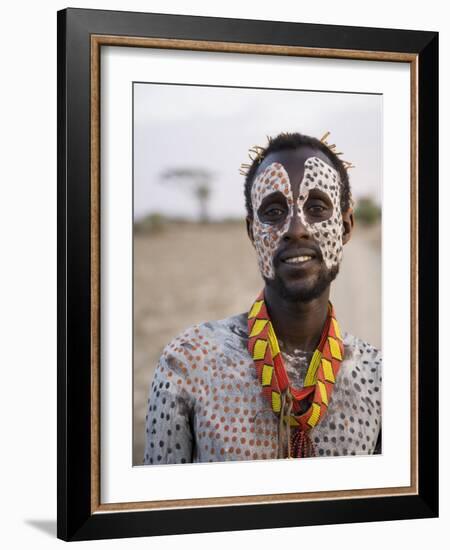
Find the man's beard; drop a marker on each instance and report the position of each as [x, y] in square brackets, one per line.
[304, 293]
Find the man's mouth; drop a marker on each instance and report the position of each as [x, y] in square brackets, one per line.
[297, 259]
[298, 256]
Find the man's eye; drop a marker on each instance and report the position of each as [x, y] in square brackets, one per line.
[316, 209]
[274, 212]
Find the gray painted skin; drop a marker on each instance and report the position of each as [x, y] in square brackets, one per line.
[205, 401]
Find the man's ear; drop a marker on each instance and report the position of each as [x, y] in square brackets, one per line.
[249, 222]
[348, 223]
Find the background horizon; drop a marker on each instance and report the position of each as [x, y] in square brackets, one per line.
[211, 128]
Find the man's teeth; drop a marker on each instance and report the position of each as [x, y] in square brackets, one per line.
[298, 259]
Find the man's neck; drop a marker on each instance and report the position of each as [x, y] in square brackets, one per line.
[298, 325]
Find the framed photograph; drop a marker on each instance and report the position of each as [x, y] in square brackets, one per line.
[247, 274]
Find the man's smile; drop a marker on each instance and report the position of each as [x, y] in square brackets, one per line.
[298, 255]
[297, 260]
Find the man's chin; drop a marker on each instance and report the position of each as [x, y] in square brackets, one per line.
[303, 290]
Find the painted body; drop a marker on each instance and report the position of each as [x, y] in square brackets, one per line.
[205, 402]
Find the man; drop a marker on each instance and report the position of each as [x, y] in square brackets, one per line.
[279, 380]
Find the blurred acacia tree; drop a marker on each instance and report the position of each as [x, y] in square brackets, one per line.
[197, 181]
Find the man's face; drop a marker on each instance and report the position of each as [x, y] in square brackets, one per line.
[297, 228]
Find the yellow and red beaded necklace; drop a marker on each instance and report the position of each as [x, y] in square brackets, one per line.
[285, 400]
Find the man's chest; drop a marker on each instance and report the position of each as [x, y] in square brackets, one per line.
[232, 419]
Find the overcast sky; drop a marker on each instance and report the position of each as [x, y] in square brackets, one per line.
[178, 126]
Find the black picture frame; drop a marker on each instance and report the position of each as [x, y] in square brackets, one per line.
[78, 515]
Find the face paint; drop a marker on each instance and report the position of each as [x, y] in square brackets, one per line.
[266, 236]
[328, 233]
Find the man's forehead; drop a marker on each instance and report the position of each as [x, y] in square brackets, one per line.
[293, 161]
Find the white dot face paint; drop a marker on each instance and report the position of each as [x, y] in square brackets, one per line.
[328, 234]
[266, 236]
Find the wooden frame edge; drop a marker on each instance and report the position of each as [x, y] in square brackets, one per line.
[212, 46]
[95, 273]
[414, 272]
[235, 47]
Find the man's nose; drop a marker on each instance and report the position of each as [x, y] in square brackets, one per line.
[296, 229]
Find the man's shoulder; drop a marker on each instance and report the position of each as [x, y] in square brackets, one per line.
[210, 334]
[359, 347]
[362, 357]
